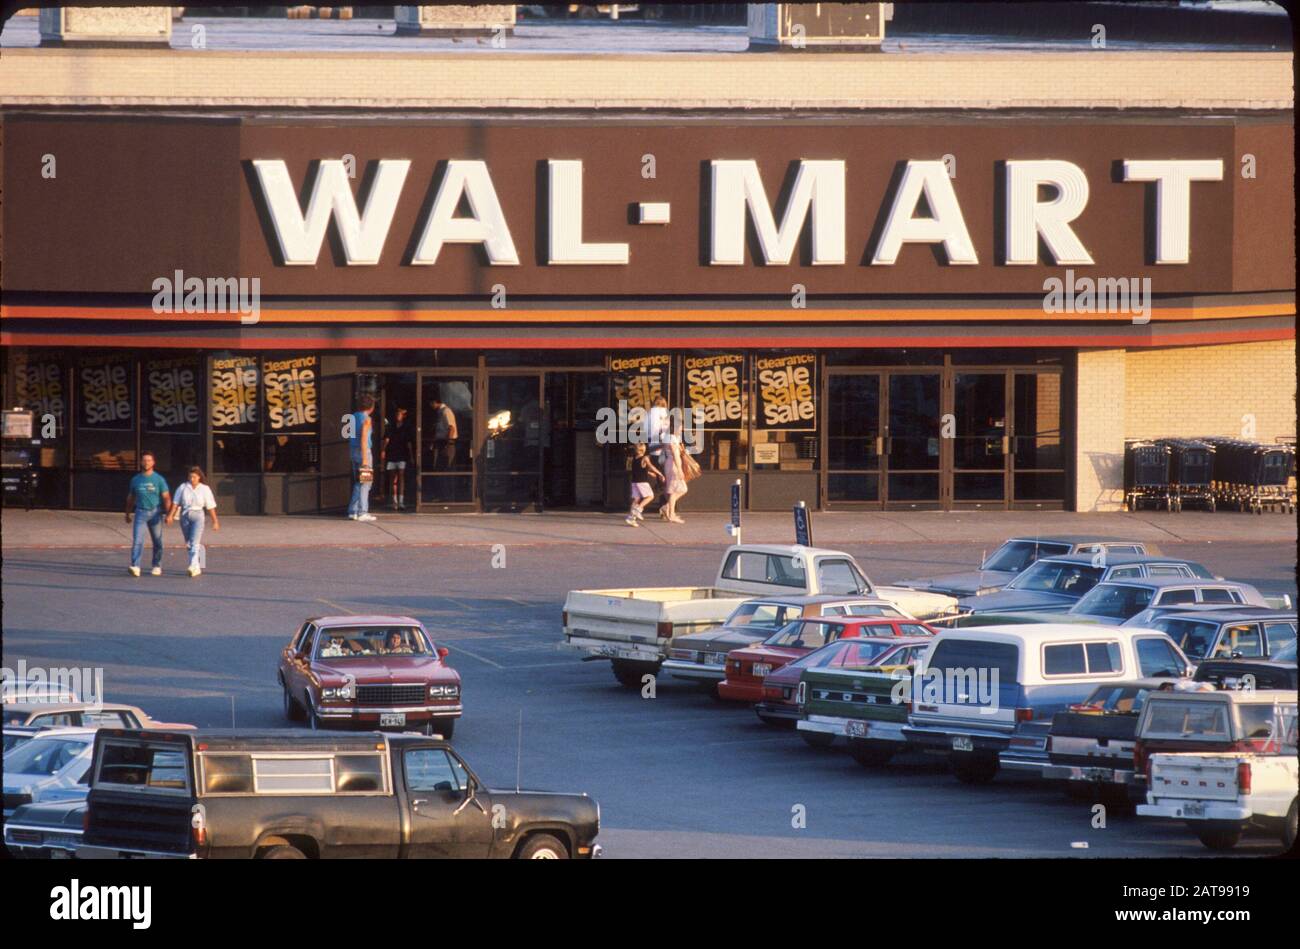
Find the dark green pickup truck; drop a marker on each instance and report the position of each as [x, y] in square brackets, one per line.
[868, 707]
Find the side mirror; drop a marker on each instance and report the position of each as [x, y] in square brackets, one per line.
[443, 652]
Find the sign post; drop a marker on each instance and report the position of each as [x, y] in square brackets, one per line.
[734, 527]
[802, 525]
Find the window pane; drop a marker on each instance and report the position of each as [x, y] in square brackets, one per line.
[1066, 659]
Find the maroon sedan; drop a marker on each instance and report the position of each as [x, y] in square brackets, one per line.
[778, 707]
[369, 672]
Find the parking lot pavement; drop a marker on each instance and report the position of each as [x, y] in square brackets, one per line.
[681, 774]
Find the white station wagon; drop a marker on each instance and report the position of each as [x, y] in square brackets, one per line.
[986, 695]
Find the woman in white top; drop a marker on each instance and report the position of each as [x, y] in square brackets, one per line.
[192, 501]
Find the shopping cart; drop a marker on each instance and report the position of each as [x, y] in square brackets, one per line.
[1191, 466]
[1146, 475]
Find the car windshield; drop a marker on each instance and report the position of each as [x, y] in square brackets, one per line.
[1050, 576]
[13, 741]
[1120, 699]
[1114, 600]
[44, 755]
[1194, 637]
[807, 634]
[862, 653]
[1185, 719]
[1016, 555]
[770, 615]
[369, 641]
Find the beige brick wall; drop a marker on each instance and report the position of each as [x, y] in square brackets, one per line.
[1099, 426]
[1212, 390]
[1240, 389]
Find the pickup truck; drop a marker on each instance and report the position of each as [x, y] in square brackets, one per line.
[283, 794]
[1220, 794]
[635, 628]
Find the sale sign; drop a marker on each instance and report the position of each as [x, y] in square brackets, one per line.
[787, 392]
[106, 386]
[715, 389]
[234, 394]
[39, 386]
[639, 380]
[291, 397]
[171, 388]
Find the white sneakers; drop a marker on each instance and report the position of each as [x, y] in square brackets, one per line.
[630, 521]
[367, 517]
[194, 570]
[134, 571]
[156, 571]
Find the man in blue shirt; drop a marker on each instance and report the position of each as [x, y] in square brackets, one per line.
[148, 500]
[362, 460]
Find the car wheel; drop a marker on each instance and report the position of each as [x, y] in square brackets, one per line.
[1289, 828]
[283, 852]
[818, 739]
[870, 754]
[445, 727]
[629, 673]
[292, 711]
[1218, 835]
[313, 720]
[543, 847]
[974, 768]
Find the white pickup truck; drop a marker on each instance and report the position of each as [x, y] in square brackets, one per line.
[1221, 793]
[634, 628]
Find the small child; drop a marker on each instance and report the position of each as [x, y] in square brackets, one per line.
[643, 470]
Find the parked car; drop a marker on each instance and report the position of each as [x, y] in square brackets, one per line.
[1251, 781]
[1054, 584]
[1090, 744]
[1005, 563]
[1278, 672]
[996, 689]
[748, 667]
[15, 735]
[779, 706]
[702, 656]
[371, 672]
[35, 690]
[867, 705]
[277, 794]
[53, 765]
[43, 714]
[45, 829]
[1228, 633]
[636, 628]
[1116, 601]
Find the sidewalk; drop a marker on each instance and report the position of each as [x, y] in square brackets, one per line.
[46, 529]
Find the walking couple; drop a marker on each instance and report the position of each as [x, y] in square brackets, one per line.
[675, 467]
[149, 505]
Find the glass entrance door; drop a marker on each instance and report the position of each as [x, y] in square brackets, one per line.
[445, 437]
[980, 439]
[853, 438]
[512, 443]
[912, 442]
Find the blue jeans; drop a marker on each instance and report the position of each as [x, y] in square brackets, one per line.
[153, 521]
[192, 531]
[360, 503]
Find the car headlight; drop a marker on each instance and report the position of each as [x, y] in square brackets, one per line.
[342, 693]
[444, 691]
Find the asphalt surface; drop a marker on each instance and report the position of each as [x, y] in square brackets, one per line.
[681, 774]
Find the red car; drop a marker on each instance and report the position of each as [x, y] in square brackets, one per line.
[778, 707]
[747, 668]
[369, 672]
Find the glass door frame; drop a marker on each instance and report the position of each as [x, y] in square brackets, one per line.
[824, 469]
[481, 410]
[943, 469]
[948, 480]
[433, 375]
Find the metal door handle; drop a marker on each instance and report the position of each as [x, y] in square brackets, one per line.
[1006, 444]
[418, 801]
[880, 445]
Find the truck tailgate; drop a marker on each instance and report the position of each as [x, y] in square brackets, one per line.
[1203, 777]
[635, 615]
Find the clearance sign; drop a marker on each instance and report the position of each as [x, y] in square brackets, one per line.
[787, 392]
[715, 389]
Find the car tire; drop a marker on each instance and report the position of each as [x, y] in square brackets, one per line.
[313, 720]
[282, 852]
[1218, 835]
[971, 767]
[543, 847]
[629, 673]
[1289, 828]
[445, 727]
[292, 710]
[817, 739]
[870, 754]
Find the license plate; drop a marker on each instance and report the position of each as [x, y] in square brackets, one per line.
[1194, 809]
[394, 718]
[1098, 774]
[962, 743]
[59, 854]
[856, 729]
[762, 669]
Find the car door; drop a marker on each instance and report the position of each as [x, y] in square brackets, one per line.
[1242, 640]
[298, 663]
[1157, 656]
[445, 820]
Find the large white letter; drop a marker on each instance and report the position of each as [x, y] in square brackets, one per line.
[947, 226]
[1173, 201]
[300, 236]
[1028, 218]
[818, 187]
[565, 212]
[486, 227]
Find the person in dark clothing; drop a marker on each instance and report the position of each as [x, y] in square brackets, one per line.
[398, 450]
[643, 473]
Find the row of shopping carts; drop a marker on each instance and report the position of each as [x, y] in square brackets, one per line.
[1210, 473]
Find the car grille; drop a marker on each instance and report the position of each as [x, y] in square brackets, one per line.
[387, 695]
[16, 800]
